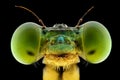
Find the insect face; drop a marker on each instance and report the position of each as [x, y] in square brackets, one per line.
[61, 46]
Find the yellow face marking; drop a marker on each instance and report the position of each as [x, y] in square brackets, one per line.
[61, 60]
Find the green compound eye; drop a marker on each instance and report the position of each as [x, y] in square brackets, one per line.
[96, 42]
[25, 43]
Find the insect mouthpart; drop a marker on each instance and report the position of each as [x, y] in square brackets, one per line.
[62, 55]
[61, 60]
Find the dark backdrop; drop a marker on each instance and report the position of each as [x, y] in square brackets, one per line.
[52, 12]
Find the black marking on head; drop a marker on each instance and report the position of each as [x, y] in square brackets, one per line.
[30, 53]
[79, 44]
[91, 52]
[77, 31]
[44, 32]
[62, 55]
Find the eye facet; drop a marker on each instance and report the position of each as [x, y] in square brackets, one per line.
[25, 43]
[96, 42]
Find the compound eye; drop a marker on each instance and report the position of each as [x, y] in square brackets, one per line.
[96, 42]
[25, 43]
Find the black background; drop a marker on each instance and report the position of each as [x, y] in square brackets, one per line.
[52, 12]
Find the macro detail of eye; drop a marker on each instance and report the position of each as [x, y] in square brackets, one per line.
[96, 42]
[91, 52]
[25, 43]
[30, 53]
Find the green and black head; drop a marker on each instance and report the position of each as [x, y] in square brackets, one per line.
[61, 45]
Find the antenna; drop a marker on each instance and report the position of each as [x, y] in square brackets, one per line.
[81, 19]
[40, 20]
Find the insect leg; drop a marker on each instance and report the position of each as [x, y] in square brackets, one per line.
[50, 73]
[72, 73]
